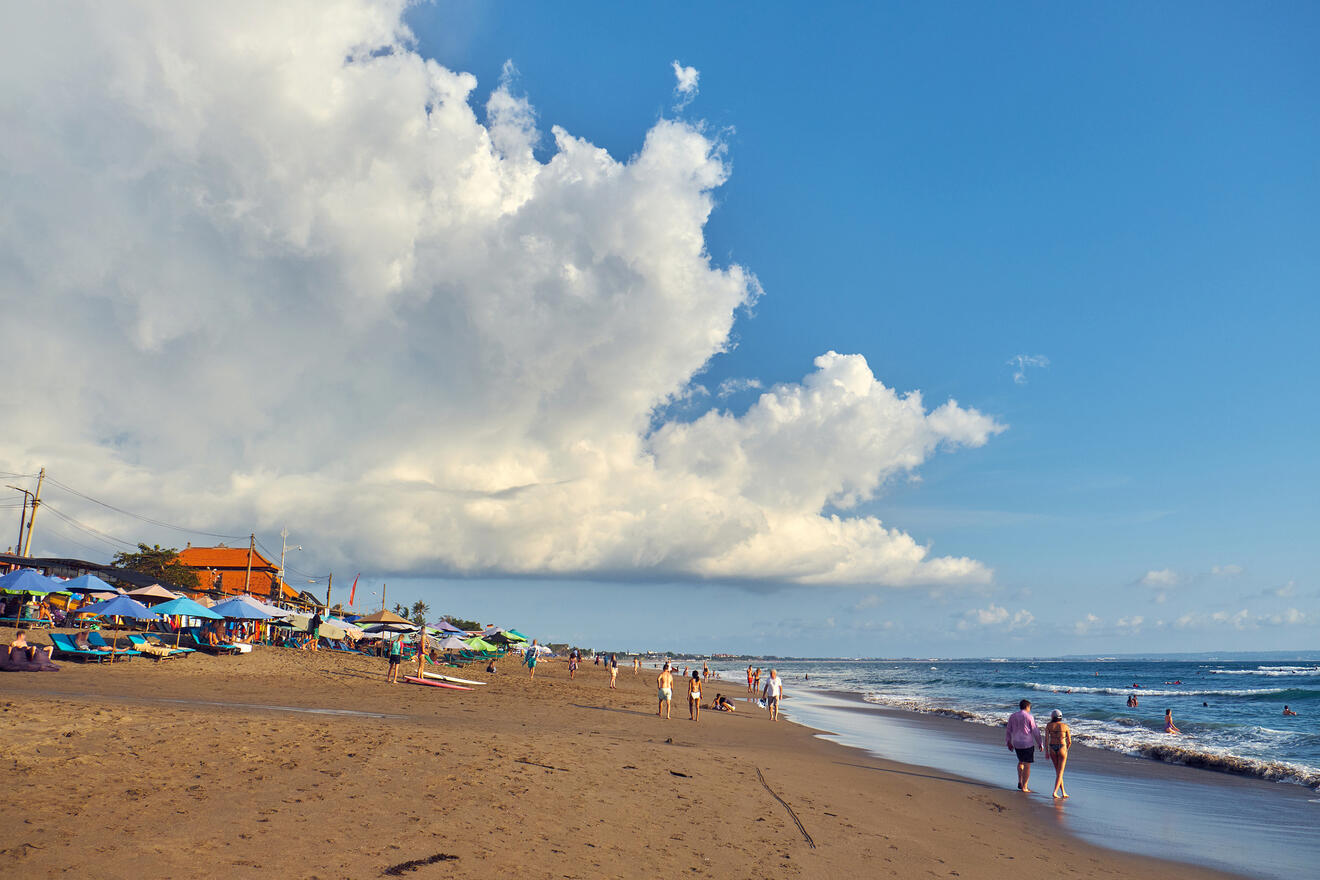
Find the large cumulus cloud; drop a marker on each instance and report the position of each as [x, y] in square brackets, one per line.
[264, 264]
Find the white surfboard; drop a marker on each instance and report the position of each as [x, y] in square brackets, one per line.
[450, 678]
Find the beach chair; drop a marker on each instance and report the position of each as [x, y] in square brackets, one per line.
[139, 641]
[199, 641]
[97, 641]
[64, 647]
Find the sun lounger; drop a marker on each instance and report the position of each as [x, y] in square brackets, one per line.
[199, 641]
[64, 647]
[97, 641]
[143, 644]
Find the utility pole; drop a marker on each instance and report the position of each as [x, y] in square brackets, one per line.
[252, 545]
[284, 548]
[22, 517]
[382, 596]
[36, 501]
[328, 583]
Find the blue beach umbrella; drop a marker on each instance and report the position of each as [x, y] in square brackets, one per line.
[185, 607]
[89, 583]
[120, 606]
[29, 580]
[242, 608]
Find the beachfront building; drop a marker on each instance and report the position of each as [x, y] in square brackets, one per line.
[234, 571]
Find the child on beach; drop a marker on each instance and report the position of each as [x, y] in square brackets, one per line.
[1058, 739]
[694, 696]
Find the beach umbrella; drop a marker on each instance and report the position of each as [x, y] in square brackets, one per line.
[90, 583]
[29, 580]
[120, 606]
[446, 626]
[391, 628]
[476, 643]
[382, 616]
[242, 608]
[152, 594]
[204, 601]
[515, 635]
[542, 649]
[452, 643]
[184, 607]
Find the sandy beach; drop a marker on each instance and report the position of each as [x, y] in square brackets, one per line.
[310, 765]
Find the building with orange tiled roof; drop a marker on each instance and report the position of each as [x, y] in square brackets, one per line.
[224, 570]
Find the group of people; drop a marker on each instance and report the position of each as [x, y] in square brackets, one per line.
[1025, 738]
[771, 694]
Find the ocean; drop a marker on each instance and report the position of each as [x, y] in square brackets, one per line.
[1230, 713]
[1238, 790]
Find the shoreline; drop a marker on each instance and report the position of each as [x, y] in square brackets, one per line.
[1132, 804]
[552, 778]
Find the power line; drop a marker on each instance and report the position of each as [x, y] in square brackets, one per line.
[94, 532]
[146, 519]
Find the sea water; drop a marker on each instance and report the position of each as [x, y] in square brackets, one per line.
[1230, 713]
[1159, 795]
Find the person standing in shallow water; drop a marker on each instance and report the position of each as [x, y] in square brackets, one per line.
[1022, 736]
[1058, 739]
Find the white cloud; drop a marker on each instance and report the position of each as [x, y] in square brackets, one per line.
[1193, 620]
[1226, 570]
[1162, 577]
[685, 87]
[1021, 362]
[730, 387]
[297, 281]
[1287, 591]
[1087, 624]
[1291, 617]
[870, 601]
[1130, 625]
[995, 616]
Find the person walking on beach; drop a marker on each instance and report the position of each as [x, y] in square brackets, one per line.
[637, 665]
[666, 691]
[694, 696]
[574, 658]
[614, 672]
[773, 692]
[1022, 736]
[530, 660]
[314, 627]
[1169, 726]
[1058, 739]
[396, 659]
[750, 689]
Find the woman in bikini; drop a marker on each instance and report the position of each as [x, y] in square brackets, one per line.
[1058, 740]
[694, 696]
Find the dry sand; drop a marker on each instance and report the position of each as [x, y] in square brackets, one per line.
[187, 768]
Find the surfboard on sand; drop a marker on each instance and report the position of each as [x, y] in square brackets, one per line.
[450, 678]
[435, 684]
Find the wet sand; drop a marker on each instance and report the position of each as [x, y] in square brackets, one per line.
[312, 766]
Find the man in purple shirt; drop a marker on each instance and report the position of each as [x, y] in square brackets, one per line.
[1023, 736]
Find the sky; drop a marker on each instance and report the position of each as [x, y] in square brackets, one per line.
[880, 331]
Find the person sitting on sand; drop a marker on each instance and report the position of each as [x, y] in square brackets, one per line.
[722, 703]
[694, 696]
[34, 652]
[490, 666]
[1169, 726]
[665, 683]
[1287, 711]
[1058, 739]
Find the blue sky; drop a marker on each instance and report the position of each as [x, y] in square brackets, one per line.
[493, 313]
[1129, 192]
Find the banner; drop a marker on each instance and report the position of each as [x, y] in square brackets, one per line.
[353, 592]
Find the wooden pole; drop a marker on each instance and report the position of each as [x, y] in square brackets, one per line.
[328, 583]
[247, 579]
[32, 517]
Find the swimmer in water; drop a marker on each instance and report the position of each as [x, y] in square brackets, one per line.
[1287, 711]
[1169, 726]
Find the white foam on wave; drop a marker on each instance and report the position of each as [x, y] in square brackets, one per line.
[1127, 736]
[1270, 671]
[1149, 692]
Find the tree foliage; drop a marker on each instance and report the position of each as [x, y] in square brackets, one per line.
[461, 623]
[419, 611]
[161, 563]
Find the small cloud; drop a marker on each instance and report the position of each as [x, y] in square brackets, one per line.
[1130, 625]
[1226, 570]
[870, 601]
[734, 386]
[1021, 362]
[1160, 577]
[1197, 620]
[1291, 617]
[1086, 624]
[995, 615]
[1287, 591]
[685, 90]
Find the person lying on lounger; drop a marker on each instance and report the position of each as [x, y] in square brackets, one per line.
[80, 642]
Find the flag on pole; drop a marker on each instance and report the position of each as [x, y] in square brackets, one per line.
[353, 591]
